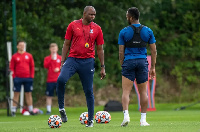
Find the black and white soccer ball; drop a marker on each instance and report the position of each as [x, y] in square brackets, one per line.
[54, 121]
[96, 117]
[102, 117]
[83, 118]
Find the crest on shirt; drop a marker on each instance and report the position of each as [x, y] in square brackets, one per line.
[91, 30]
[18, 59]
[26, 56]
[58, 60]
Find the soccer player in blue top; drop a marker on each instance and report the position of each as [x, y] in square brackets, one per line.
[133, 59]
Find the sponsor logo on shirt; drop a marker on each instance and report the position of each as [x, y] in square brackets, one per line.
[58, 60]
[26, 57]
[91, 30]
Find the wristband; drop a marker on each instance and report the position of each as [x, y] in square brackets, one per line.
[103, 66]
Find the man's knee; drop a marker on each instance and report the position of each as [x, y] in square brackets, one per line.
[28, 94]
[89, 93]
[60, 80]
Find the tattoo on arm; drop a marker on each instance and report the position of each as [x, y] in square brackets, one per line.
[121, 54]
[153, 55]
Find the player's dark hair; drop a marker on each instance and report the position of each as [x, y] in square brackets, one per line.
[20, 41]
[87, 8]
[134, 12]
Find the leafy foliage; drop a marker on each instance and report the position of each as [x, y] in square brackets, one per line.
[175, 24]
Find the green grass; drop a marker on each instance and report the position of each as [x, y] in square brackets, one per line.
[164, 119]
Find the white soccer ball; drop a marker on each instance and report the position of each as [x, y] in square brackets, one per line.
[83, 118]
[54, 121]
[96, 117]
[26, 113]
[102, 117]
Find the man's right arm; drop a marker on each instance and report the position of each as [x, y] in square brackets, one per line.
[46, 62]
[121, 54]
[12, 65]
[65, 50]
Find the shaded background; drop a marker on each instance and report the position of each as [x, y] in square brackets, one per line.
[175, 23]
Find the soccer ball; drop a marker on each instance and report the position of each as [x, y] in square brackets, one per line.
[96, 117]
[83, 118]
[102, 117]
[54, 121]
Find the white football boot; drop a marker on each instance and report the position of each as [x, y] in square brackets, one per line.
[90, 123]
[125, 121]
[144, 123]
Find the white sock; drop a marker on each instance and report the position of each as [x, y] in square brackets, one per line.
[62, 109]
[14, 109]
[143, 117]
[30, 108]
[126, 114]
[49, 108]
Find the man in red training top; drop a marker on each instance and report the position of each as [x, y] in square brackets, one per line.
[22, 67]
[81, 38]
[52, 63]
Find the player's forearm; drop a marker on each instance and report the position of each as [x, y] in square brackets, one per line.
[153, 57]
[12, 72]
[32, 72]
[65, 50]
[100, 54]
[11, 66]
[32, 68]
[121, 54]
[121, 57]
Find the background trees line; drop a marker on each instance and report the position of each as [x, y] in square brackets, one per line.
[175, 24]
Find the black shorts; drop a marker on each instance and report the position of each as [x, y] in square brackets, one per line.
[136, 69]
[26, 82]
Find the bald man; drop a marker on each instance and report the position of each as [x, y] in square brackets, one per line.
[80, 39]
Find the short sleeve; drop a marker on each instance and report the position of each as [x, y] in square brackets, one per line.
[121, 38]
[152, 38]
[99, 39]
[69, 31]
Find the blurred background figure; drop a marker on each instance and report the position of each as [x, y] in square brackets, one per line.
[22, 68]
[52, 63]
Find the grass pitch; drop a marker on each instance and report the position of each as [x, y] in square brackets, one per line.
[164, 119]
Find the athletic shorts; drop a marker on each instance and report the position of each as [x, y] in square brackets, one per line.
[136, 69]
[26, 82]
[50, 88]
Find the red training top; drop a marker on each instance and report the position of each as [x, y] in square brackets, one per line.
[22, 65]
[51, 64]
[80, 35]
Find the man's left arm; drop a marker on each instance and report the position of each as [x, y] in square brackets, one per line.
[32, 67]
[152, 72]
[152, 45]
[100, 53]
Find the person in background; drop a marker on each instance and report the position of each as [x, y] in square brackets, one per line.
[22, 68]
[82, 35]
[133, 59]
[52, 63]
